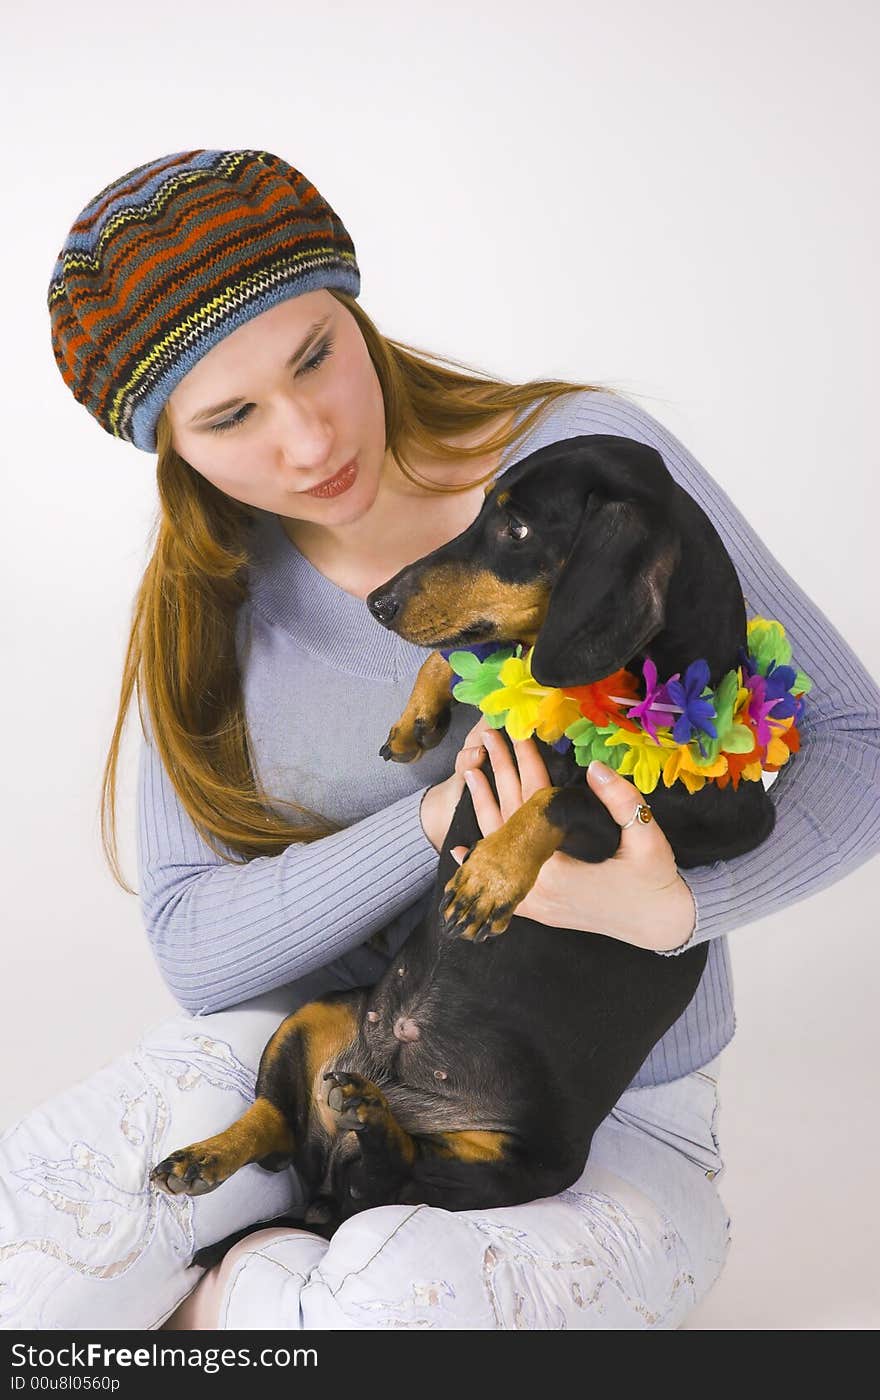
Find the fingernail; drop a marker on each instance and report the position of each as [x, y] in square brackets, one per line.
[599, 771]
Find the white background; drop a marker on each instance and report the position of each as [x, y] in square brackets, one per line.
[679, 200]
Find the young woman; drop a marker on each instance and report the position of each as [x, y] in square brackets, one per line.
[203, 307]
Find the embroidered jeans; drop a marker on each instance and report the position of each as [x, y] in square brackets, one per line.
[85, 1242]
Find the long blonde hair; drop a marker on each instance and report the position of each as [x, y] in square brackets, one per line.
[181, 655]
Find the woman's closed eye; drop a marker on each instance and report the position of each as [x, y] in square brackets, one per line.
[308, 367]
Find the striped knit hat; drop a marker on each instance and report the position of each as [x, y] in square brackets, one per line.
[172, 257]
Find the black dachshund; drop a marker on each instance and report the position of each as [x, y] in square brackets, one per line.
[475, 1077]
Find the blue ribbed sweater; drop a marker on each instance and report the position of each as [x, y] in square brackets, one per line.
[323, 682]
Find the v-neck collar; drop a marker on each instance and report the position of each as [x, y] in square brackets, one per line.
[326, 620]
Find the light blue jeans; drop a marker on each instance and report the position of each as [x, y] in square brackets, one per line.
[85, 1242]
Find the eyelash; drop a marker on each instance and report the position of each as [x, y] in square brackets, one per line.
[307, 368]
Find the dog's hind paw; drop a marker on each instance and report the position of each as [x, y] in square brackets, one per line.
[356, 1101]
[194, 1171]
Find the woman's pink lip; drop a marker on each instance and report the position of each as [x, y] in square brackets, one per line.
[323, 486]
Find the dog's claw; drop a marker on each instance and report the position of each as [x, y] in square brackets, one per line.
[457, 921]
[351, 1092]
[190, 1172]
[410, 738]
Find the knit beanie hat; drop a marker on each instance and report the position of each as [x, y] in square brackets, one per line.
[172, 257]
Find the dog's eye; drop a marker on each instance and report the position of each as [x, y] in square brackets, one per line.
[517, 530]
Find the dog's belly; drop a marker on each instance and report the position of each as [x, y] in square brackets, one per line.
[537, 1031]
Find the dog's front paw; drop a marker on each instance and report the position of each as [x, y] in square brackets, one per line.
[411, 737]
[193, 1171]
[479, 899]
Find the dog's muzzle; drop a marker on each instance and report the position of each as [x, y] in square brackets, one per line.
[384, 608]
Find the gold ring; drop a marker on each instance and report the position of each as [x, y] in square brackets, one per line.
[642, 814]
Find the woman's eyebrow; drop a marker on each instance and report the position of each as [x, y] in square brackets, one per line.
[297, 355]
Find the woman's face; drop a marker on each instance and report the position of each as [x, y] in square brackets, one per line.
[266, 427]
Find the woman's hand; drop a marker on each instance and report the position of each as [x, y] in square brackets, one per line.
[637, 896]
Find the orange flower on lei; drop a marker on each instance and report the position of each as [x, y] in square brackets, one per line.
[597, 705]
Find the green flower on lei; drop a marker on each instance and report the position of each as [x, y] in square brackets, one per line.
[769, 646]
[732, 738]
[481, 678]
[590, 742]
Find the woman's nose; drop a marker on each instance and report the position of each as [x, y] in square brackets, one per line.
[304, 442]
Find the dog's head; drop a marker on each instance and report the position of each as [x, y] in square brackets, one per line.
[573, 550]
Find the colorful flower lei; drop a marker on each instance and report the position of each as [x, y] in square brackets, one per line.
[681, 729]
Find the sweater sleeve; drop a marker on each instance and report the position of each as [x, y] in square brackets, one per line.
[827, 797]
[224, 932]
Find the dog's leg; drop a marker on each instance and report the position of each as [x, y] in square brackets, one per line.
[481, 897]
[458, 1170]
[475, 1170]
[262, 1131]
[426, 717]
[277, 1126]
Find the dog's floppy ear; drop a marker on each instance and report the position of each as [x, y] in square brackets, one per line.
[609, 598]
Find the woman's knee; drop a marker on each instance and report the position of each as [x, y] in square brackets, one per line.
[206, 1308]
[590, 1260]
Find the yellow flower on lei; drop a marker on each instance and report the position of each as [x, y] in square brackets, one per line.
[682, 764]
[530, 707]
[557, 711]
[778, 751]
[644, 759]
[527, 708]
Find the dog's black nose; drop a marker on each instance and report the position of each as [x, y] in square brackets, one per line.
[384, 607]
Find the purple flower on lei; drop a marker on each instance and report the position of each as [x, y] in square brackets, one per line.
[697, 714]
[780, 681]
[771, 692]
[651, 711]
[745, 662]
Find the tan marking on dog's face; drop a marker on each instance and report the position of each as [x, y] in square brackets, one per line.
[452, 597]
[471, 1145]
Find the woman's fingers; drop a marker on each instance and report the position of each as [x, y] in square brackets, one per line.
[487, 811]
[476, 734]
[468, 758]
[532, 768]
[517, 775]
[504, 771]
[472, 751]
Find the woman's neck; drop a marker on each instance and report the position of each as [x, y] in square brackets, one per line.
[405, 522]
